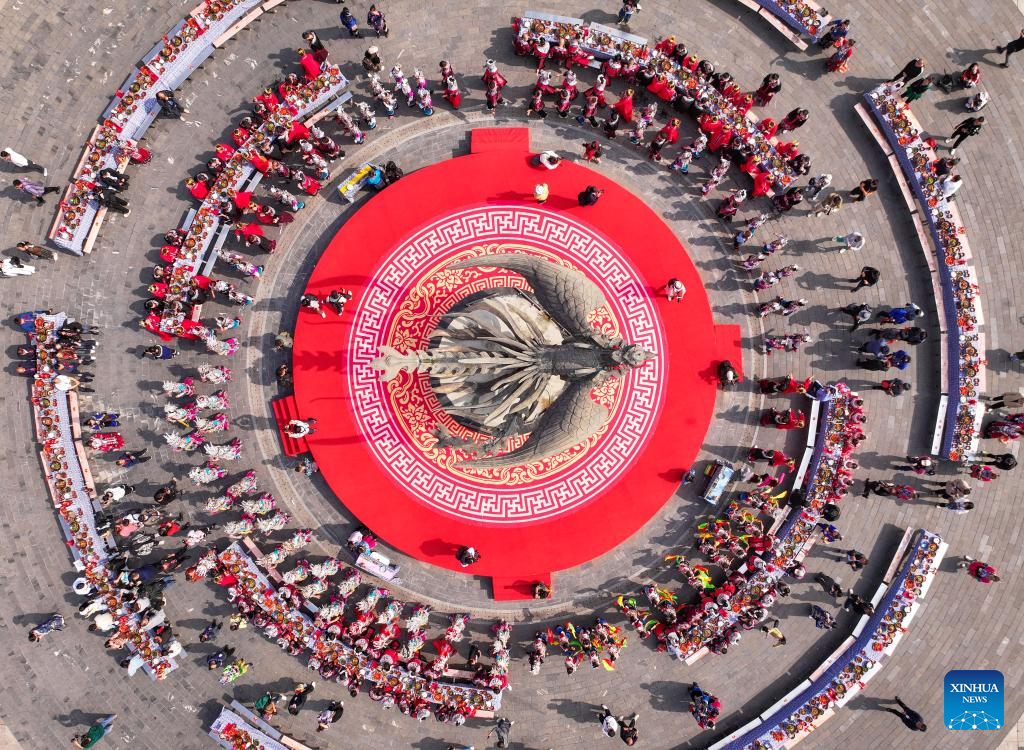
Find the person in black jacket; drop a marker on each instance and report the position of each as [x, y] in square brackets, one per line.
[965, 129]
[910, 71]
[169, 106]
[111, 200]
[589, 196]
[1010, 47]
[911, 719]
[869, 276]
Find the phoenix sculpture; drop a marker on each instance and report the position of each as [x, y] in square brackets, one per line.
[506, 362]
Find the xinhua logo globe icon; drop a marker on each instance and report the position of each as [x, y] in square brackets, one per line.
[974, 720]
[973, 700]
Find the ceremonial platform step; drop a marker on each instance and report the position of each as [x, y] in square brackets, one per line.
[516, 588]
[729, 345]
[499, 139]
[285, 410]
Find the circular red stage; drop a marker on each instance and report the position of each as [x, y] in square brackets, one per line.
[377, 442]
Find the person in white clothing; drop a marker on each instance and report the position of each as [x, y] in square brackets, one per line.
[115, 493]
[298, 428]
[12, 266]
[977, 102]
[13, 157]
[950, 184]
[609, 725]
[102, 623]
[675, 290]
[852, 241]
[547, 159]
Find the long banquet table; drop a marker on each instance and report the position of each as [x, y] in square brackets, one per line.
[954, 277]
[134, 108]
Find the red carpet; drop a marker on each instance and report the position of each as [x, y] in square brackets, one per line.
[399, 499]
[285, 410]
[729, 345]
[483, 140]
[516, 589]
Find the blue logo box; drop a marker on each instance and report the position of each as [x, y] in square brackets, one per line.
[973, 699]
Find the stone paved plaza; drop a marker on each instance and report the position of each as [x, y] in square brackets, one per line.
[60, 66]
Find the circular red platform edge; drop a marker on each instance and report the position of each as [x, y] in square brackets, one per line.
[535, 548]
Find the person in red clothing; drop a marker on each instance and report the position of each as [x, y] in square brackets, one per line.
[242, 199]
[612, 68]
[268, 99]
[788, 150]
[270, 215]
[240, 135]
[978, 569]
[671, 131]
[541, 50]
[768, 127]
[984, 473]
[259, 162]
[492, 75]
[970, 76]
[158, 289]
[838, 63]
[668, 134]
[624, 106]
[574, 55]
[297, 132]
[662, 89]
[783, 420]
[198, 186]
[730, 89]
[666, 46]
[598, 90]
[762, 184]
[253, 236]
[152, 324]
[309, 64]
[170, 527]
[795, 119]
[452, 92]
[774, 457]
[770, 86]
[307, 183]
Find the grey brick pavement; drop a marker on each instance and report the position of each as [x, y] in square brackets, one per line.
[61, 66]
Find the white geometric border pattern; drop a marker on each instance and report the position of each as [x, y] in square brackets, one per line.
[626, 292]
